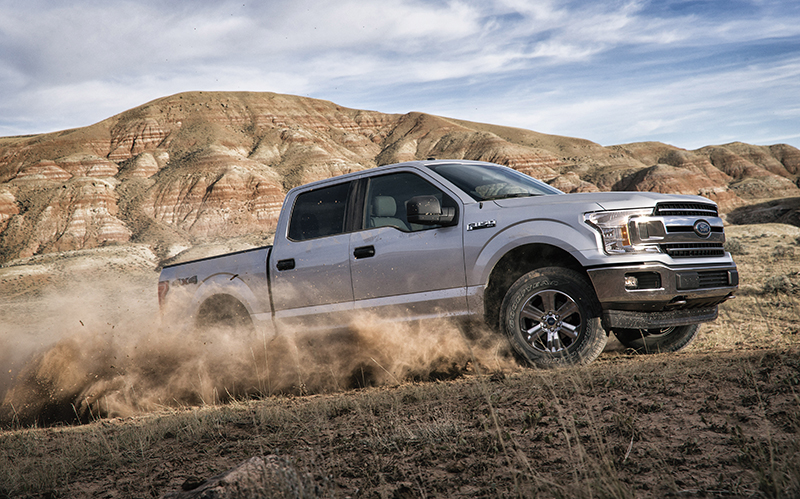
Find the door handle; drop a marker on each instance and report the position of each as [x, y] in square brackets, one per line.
[364, 252]
[287, 264]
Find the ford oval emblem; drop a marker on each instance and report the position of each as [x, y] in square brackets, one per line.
[702, 228]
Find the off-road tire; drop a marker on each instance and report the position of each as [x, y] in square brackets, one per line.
[552, 318]
[223, 312]
[646, 341]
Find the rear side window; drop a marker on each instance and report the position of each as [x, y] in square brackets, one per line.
[319, 213]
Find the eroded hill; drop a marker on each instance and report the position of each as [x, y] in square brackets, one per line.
[203, 166]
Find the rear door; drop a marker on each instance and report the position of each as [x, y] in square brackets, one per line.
[310, 267]
[403, 270]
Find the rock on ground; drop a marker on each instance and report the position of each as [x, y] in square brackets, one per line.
[269, 476]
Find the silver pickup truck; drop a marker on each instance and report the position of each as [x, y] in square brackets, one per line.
[473, 241]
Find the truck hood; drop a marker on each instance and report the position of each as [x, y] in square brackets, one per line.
[593, 201]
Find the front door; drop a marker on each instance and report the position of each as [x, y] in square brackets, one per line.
[400, 269]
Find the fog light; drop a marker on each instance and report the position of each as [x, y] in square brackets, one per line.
[631, 282]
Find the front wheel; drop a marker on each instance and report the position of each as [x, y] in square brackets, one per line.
[670, 339]
[552, 318]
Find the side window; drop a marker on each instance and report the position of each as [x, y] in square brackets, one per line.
[387, 196]
[319, 213]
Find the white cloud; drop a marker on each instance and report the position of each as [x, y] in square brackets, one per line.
[597, 70]
[689, 112]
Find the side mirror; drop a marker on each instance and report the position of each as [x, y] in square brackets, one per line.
[426, 210]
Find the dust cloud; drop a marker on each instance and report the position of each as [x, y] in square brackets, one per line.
[99, 349]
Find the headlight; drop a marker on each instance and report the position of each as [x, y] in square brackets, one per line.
[618, 231]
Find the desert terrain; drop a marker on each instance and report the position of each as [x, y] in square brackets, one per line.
[100, 399]
[719, 419]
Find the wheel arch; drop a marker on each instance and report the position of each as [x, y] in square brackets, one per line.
[517, 262]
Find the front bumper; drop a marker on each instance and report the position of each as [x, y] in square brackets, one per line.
[662, 296]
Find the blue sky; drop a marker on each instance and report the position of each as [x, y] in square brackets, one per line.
[688, 73]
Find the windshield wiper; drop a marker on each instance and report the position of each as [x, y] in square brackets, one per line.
[513, 195]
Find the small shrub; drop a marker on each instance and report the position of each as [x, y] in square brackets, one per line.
[782, 251]
[734, 246]
[778, 284]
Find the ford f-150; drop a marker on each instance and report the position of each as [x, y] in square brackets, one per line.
[471, 240]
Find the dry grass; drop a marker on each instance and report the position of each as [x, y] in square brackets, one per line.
[766, 311]
[720, 419]
[626, 426]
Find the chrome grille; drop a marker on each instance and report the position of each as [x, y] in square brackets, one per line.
[689, 228]
[686, 210]
[692, 250]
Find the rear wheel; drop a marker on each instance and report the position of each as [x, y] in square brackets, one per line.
[670, 339]
[224, 312]
[552, 318]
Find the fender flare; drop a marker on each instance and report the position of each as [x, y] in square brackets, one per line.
[570, 240]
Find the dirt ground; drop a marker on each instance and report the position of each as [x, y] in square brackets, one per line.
[719, 419]
[688, 425]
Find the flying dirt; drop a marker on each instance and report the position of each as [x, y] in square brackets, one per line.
[82, 350]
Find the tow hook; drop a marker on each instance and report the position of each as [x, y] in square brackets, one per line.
[676, 302]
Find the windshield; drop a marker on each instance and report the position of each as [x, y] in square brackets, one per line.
[485, 182]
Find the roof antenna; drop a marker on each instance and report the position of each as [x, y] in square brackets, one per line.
[431, 158]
